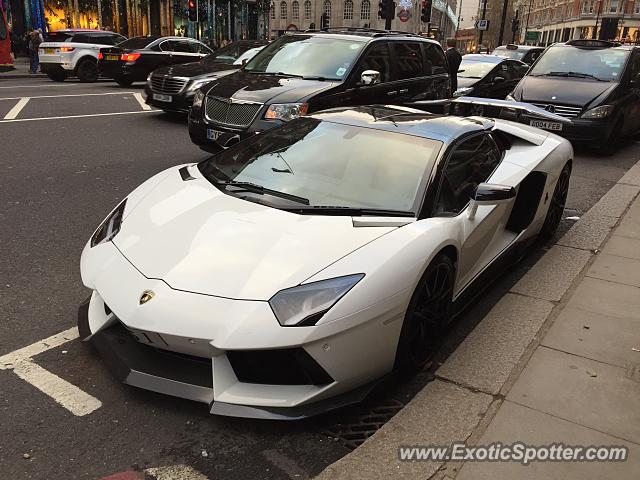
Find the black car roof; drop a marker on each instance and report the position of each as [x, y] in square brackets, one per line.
[366, 34]
[403, 120]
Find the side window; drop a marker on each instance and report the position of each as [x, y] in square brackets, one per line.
[516, 70]
[470, 164]
[503, 71]
[81, 38]
[435, 62]
[202, 48]
[634, 66]
[376, 58]
[408, 60]
[167, 46]
[182, 46]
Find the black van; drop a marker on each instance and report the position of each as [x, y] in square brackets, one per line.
[305, 72]
[595, 83]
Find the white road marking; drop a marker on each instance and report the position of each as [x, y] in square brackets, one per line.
[72, 95]
[175, 472]
[10, 360]
[77, 116]
[69, 396]
[138, 97]
[17, 108]
[39, 86]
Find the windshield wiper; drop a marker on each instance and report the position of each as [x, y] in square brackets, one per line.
[574, 75]
[255, 188]
[350, 211]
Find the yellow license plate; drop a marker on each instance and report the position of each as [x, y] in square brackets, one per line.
[50, 51]
[113, 57]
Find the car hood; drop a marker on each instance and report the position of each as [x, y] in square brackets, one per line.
[267, 88]
[567, 91]
[197, 239]
[195, 69]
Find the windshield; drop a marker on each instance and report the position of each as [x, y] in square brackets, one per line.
[137, 42]
[469, 69]
[248, 55]
[603, 64]
[331, 165]
[307, 56]
[507, 53]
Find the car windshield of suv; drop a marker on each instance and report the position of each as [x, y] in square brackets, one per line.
[329, 166]
[605, 65]
[307, 56]
[137, 43]
[469, 69]
[508, 53]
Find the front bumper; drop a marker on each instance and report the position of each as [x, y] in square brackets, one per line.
[52, 67]
[186, 345]
[180, 102]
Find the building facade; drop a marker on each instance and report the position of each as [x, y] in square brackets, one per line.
[293, 15]
[549, 21]
[493, 11]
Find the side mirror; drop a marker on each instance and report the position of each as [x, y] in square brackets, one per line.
[498, 80]
[490, 194]
[244, 61]
[370, 77]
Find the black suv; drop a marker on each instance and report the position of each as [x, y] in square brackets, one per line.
[595, 83]
[306, 72]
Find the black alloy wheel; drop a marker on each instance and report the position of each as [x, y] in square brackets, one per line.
[87, 71]
[556, 205]
[427, 315]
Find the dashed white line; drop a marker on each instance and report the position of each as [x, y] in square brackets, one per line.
[76, 116]
[69, 396]
[71, 95]
[143, 104]
[17, 108]
[10, 360]
[39, 86]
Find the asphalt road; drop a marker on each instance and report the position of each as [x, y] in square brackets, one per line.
[61, 176]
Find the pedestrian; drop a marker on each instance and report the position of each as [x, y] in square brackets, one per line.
[34, 45]
[453, 59]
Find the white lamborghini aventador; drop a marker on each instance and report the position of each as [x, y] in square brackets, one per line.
[286, 275]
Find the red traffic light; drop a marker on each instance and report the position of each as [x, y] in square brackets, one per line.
[192, 4]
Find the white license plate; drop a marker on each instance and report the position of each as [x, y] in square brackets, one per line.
[554, 126]
[162, 98]
[213, 134]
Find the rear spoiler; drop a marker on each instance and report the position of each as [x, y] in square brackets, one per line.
[444, 106]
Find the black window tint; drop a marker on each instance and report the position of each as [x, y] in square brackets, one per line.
[202, 48]
[503, 71]
[408, 60]
[435, 62]
[182, 46]
[634, 66]
[168, 46]
[81, 38]
[517, 70]
[104, 39]
[470, 164]
[377, 58]
[137, 42]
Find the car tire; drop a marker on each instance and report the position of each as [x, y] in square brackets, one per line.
[556, 205]
[426, 317]
[57, 76]
[123, 81]
[87, 71]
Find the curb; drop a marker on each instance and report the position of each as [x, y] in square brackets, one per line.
[474, 388]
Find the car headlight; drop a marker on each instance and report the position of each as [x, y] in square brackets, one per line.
[196, 84]
[286, 111]
[510, 98]
[602, 111]
[305, 304]
[198, 98]
[110, 227]
[463, 91]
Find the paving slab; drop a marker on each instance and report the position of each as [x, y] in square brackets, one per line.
[586, 392]
[545, 280]
[632, 177]
[623, 247]
[629, 227]
[487, 356]
[607, 298]
[589, 232]
[616, 269]
[596, 336]
[439, 415]
[515, 423]
[615, 202]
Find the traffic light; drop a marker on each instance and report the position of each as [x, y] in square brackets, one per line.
[425, 16]
[382, 9]
[193, 10]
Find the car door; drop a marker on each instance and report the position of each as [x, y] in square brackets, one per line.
[500, 81]
[377, 58]
[435, 65]
[183, 51]
[410, 79]
[630, 94]
[472, 161]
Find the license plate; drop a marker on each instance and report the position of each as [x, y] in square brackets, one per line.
[49, 51]
[213, 134]
[162, 98]
[554, 126]
[112, 57]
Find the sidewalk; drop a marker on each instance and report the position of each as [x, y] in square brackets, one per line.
[556, 360]
[21, 70]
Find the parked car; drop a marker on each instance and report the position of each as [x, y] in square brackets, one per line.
[488, 76]
[594, 83]
[74, 52]
[286, 275]
[133, 60]
[524, 53]
[172, 88]
[306, 72]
